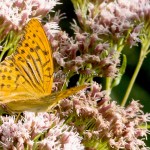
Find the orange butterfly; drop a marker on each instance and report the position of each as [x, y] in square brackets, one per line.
[26, 76]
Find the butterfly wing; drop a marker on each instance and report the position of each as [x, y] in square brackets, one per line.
[44, 104]
[26, 76]
[57, 96]
[29, 71]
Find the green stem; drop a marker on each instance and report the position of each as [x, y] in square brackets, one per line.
[108, 84]
[10, 44]
[81, 79]
[132, 81]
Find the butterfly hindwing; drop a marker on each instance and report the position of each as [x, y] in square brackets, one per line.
[57, 96]
[45, 103]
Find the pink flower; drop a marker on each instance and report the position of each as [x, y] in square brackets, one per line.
[103, 122]
[15, 14]
[52, 132]
[113, 20]
[85, 55]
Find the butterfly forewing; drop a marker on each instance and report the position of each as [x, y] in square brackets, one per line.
[28, 72]
[12, 83]
[39, 42]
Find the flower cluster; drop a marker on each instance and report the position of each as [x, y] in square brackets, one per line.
[103, 123]
[104, 31]
[24, 134]
[119, 21]
[84, 55]
[15, 14]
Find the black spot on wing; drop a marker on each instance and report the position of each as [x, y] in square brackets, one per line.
[48, 61]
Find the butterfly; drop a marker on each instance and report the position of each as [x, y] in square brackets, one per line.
[26, 77]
